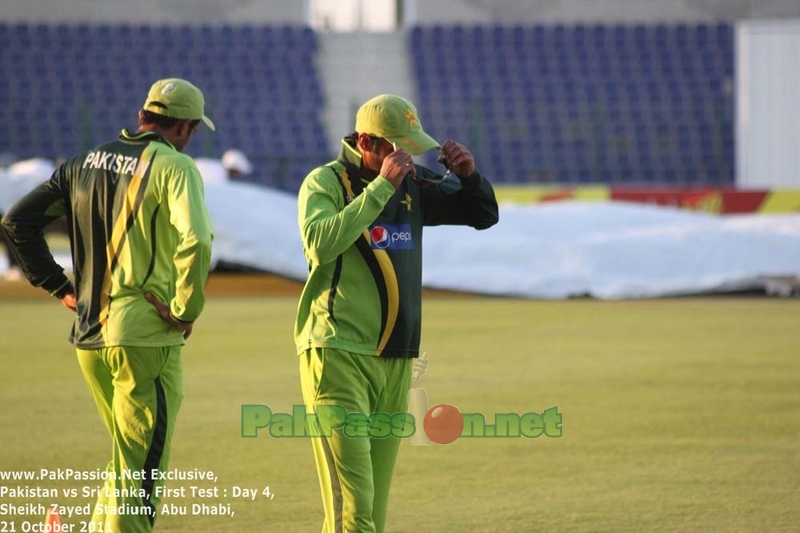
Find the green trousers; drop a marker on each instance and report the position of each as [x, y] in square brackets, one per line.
[354, 473]
[138, 392]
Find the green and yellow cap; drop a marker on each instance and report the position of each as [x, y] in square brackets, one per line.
[177, 98]
[395, 119]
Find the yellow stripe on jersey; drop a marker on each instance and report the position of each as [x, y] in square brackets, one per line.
[120, 230]
[392, 294]
[389, 278]
[346, 182]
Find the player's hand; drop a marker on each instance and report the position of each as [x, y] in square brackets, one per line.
[70, 302]
[458, 158]
[396, 166]
[166, 315]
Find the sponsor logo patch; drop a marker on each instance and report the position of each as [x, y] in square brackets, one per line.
[391, 237]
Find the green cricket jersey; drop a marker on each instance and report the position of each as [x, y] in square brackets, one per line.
[138, 223]
[363, 243]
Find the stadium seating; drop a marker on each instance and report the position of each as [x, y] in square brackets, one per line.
[643, 104]
[611, 104]
[66, 87]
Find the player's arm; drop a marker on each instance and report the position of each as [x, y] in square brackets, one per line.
[189, 216]
[24, 226]
[469, 200]
[328, 229]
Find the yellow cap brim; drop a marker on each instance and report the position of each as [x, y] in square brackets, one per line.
[415, 144]
[207, 122]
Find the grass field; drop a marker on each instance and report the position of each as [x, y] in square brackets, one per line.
[678, 415]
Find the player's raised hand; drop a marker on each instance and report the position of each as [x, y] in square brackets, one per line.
[166, 315]
[396, 166]
[458, 158]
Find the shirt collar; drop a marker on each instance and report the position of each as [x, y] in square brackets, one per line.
[126, 135]
[350, 156]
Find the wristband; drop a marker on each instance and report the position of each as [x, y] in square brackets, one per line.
[62, 291]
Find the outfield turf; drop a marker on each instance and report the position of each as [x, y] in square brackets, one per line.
[678, 415]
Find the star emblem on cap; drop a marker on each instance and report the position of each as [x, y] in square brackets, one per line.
[407, 202]
[411, 118]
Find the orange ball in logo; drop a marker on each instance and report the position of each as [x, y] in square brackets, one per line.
[443, 423]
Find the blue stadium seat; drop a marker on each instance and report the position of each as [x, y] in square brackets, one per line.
[650, 84]
[87, 79]
[661, 83]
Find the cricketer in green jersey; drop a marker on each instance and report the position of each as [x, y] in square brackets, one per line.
[358, 321]
[141, 246]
